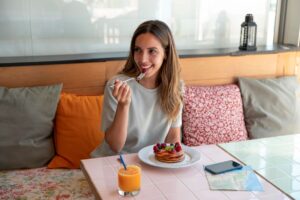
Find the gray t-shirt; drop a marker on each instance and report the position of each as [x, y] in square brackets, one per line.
[147, 123]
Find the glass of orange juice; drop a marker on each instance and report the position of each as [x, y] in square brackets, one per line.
[129, 180]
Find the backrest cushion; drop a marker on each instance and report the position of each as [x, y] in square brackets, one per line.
[271, 106]
[77, 129]
[26, 125]
[213, 114]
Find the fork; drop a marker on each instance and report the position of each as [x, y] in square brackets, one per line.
[138, 78]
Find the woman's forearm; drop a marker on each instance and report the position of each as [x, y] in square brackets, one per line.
[116, 134]
[173, 135]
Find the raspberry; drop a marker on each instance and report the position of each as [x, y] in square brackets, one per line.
[158, 145]
[155, 149]
[163, 145]
[177, 144]
[178, 148]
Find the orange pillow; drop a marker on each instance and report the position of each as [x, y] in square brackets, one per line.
[77, 129]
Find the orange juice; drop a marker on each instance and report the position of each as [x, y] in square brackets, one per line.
[130, 179]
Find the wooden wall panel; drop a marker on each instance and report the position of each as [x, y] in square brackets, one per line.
[287, 62]
[225, 69]
[90, 78]
[113, 67]
[81, 78]
[297, 68]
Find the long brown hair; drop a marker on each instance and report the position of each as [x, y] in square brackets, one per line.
[168, 79]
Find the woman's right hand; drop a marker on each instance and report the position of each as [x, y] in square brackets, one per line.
[122, 93]
[116, 134]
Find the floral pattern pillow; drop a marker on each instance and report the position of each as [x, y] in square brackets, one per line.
[213, 114]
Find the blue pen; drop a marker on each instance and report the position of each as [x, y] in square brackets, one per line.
[122, 161]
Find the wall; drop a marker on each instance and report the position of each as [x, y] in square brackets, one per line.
[90, 78]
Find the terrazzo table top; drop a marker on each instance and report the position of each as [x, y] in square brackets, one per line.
[277, 159]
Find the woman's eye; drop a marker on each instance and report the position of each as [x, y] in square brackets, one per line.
[152, 51]
[136, 50]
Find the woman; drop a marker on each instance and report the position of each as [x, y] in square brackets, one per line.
[138, 113]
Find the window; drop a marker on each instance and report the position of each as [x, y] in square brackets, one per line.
[58, 27]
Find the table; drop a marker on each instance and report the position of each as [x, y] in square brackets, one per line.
[157, 183]
[277, 159]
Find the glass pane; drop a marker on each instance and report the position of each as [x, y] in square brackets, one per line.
[216, 23]
[15, 35]
[55, 27]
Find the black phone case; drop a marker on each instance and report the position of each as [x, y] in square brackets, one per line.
[217, 168]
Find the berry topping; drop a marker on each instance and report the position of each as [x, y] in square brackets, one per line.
[163, 145]
[172, 148]
[178, 148]
[158, 145]
[155, 149]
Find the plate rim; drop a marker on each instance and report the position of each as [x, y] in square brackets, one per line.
[187, 150]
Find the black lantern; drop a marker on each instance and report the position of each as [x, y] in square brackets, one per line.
[248, 34]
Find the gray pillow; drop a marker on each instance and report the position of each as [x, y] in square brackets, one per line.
[271, 107]
[26, 124]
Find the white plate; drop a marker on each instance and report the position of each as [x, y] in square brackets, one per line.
[191, 157]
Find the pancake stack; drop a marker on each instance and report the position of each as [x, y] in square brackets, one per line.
[168, 153]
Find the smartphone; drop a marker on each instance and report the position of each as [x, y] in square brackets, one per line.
[223, 167]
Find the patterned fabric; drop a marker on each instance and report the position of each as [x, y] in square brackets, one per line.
[213, 114]
[43, 183]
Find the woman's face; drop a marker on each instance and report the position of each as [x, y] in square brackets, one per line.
[149, 55]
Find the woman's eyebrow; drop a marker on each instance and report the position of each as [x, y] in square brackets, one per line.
[146, 48]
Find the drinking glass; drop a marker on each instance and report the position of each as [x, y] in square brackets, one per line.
[129, 180]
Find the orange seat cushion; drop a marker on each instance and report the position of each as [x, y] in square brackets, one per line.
[77, 129]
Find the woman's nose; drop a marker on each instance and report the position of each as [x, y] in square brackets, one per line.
[144, 57]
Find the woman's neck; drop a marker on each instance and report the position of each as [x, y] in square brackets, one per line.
[149, 83]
